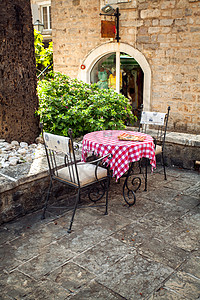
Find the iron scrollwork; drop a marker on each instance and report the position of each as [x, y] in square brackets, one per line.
[96, 192]
[129, 192]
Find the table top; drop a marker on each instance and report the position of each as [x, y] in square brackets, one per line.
[123, 152]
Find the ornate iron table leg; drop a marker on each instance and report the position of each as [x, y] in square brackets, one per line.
[129, 193]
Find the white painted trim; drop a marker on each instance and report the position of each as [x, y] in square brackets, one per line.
[107, 48]
[44, 3]
[118, 72]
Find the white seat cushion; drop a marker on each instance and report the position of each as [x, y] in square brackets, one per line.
[158, 149]
[86, 173]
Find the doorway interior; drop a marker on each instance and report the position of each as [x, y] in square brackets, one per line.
[123, 74]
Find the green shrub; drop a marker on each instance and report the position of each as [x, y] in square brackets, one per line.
[43, 56]
[68, 103]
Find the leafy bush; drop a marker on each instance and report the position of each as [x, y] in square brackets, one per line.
[43, 56]
[68, 103]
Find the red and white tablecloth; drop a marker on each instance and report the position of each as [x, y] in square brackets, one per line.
[123, 152]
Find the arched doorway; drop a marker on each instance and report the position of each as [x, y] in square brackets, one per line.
[119, 54]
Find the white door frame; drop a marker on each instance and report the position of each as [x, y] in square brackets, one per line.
[96, 54]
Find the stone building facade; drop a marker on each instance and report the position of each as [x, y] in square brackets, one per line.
[162, 36]
[41, 11]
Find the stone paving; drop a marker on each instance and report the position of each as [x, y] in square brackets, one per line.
[147, 251]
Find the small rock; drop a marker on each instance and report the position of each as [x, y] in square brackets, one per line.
[22, 151]
[40, 146]
[4, 156]
[3, 145]
[2, 160]
[15, 143]
[5, 164]
[32, 146]
[8, 147]
[28, 158]
[40, 140]
[13, 161]
[24, 145]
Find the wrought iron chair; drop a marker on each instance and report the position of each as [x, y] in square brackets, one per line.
[159, 122]
[73, 172]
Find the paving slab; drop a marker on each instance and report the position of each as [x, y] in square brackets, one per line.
[157, 248]
[193, 190]
[163, 216]
[161, 195]
[161, 251]
[20, 286]
[134, 277]
[193, 216]
[135, 212]
[96, 291]
[8, 259]
[165, 294]
[101, 257]
[15, 285]
[50, 258]
[185, 285]
[85, 238]
[183, 235]
[71, 277]
[177, 184]
[192, 265]
[185, 201]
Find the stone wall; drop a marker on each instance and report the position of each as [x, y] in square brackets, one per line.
[18, 99]
[166, 32]
[23, 189]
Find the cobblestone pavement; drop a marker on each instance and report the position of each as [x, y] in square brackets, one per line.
[147, 251]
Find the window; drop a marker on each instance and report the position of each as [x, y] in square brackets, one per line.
[121, 73]
[46, 17]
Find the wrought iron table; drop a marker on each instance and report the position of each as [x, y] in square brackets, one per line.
[124, 154]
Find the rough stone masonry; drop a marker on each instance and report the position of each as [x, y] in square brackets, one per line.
[166, 32]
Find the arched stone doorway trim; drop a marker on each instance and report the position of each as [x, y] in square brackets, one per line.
[96, 54]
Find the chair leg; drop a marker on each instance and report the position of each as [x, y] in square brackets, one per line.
[163, 164]
[75, 207]
[107, 188]
[146, 165]
[140, 167]
[46, 202]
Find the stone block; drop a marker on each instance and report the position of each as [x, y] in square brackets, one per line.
[153, 30]
[150, 13]
[181, 22]
[143, 39]
[168, 4]
[166, 22]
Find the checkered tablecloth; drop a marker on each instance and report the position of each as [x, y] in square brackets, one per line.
[123, 152]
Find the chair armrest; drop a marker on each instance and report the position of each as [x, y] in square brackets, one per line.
[109, 156]
[97, 162]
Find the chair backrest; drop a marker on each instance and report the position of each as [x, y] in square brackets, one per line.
[60, 153]
[158, 121]
[56, 142]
